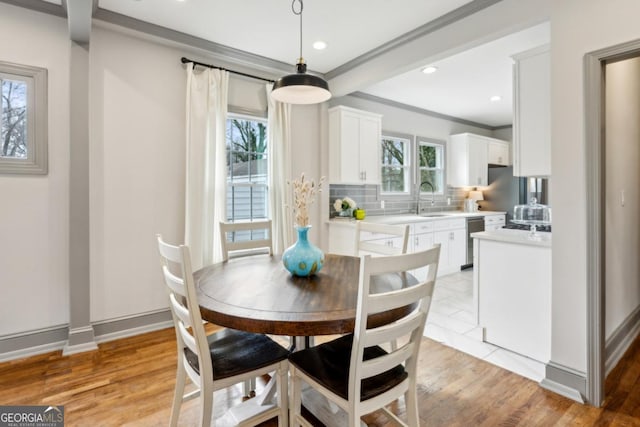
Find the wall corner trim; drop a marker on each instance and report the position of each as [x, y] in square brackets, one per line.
[621, 339]
[565, 381]
[80, 340]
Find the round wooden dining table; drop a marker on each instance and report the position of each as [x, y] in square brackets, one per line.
[257, 294]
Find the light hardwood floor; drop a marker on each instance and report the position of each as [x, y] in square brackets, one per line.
[129, 382]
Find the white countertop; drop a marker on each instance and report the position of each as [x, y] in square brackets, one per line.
[520, 237]
[409, 218]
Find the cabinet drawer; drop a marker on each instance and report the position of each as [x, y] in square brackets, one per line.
[494, 220]
[449, 224]
[421, 227]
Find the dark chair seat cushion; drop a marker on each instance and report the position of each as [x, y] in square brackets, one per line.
[236, 352]
[329, 364]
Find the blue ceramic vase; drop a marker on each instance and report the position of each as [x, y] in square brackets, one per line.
[303, 258]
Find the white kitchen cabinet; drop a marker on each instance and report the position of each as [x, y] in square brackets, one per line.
[452, 236]
[512, 293]
[494, 222]
[421, 239]
[467, 160]
[498, 153]
[532, 117]
[469, 156]
[354, 146]
[342, 237]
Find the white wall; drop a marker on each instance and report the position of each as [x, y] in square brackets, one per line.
[34, 214]
[622, 281]
[137, 170]
[577, 27]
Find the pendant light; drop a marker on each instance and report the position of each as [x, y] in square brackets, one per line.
[300, 88]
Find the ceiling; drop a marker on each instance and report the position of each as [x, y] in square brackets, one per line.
[460, 88]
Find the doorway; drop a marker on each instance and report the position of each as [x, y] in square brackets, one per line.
[613, 313]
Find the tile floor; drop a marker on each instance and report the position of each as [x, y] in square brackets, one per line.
[451, 323]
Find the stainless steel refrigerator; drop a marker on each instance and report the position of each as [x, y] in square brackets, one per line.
[505, 191]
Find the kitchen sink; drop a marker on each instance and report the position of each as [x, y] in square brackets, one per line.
[428, 215]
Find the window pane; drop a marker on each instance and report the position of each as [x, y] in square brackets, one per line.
[435, 177]
[393, 152]
[430, 156]
[13, 119]
[393, 180]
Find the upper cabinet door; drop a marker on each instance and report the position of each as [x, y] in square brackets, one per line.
[498, 153]
[532, 117]
[354, 146]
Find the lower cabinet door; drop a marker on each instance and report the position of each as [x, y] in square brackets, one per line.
[421, 242]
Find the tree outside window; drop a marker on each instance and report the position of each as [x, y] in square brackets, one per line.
[13, 119]
[247, 172]
[395, 170]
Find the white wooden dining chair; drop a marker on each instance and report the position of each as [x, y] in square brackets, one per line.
[237, 240]
[219, 360]
[378, 238]
[245, 246]
[353, 371]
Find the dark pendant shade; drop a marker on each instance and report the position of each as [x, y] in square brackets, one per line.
[301, 88]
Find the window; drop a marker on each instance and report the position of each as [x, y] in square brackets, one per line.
[431, 165]
[23, 119]
[396, 173]
[247, 171]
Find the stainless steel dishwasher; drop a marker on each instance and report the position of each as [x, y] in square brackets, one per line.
[474, 225]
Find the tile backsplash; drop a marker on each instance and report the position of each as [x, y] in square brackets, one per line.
[368, 198]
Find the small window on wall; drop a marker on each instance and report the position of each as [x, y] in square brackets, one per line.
[23, 119]
[247, 172]
[431, 165]
[395, 168]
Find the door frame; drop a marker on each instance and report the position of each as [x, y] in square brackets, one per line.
[594, 85]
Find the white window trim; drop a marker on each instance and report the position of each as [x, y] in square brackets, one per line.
[36, 162]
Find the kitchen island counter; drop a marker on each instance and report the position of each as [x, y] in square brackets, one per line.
[519, 237]
[512, 291]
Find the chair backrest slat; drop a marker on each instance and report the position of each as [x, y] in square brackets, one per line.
[400, 298]
[179, 310]
[384, 363]
[388, 332]
[378, 246]
[232, 246]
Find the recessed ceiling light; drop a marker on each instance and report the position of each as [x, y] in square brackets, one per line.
[319, 45]
[430, 69]
[495, 98]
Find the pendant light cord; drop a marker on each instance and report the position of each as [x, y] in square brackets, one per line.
[299, 13]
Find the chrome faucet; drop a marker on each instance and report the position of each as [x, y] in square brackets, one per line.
[433, 195]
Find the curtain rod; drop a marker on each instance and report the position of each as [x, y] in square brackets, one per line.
[186, 60]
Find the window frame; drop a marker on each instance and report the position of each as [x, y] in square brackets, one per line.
[244, 114]
[36, 162]
[417, 175]
[408, 166]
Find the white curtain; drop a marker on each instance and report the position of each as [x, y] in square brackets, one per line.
[280, 194]
[206, 169]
